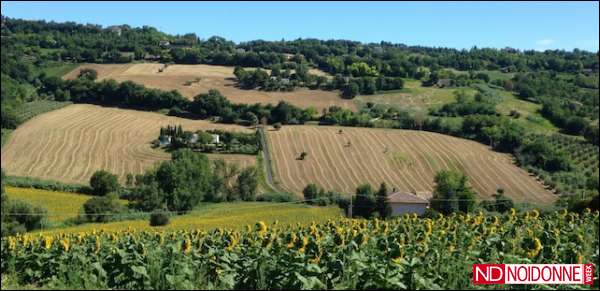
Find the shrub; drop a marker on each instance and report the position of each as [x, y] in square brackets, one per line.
[276, 197]
[159, 218]
[247, 184]
[29, 182]
[310, 193]
[102, 209]
[19, 216]
[103, 182]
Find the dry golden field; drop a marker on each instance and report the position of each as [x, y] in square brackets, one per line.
[206, 77]
[404, 159]
[71, 143]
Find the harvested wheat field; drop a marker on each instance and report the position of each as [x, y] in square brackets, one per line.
[191, 80]
[404, 159]
[71, 143]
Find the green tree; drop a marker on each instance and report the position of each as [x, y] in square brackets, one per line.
[350, 90]
[452, 193]
[247, 183]
[365, 201]
[159, 218]
[103, 182]
[310, 192]
[383, 204]
[102, 209]
[88, 74]
[503, 203]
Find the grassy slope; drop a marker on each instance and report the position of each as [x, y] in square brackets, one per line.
[236, 215]
[58, 69]
[413, 96]
[416, 97]
[530, 118]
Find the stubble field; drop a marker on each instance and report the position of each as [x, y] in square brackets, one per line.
[71, 143]
[191, 80]
[405, 160]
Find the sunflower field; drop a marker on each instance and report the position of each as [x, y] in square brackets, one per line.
[401, 253]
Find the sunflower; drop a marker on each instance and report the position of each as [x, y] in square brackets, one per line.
[48, 242]
[65, 244]
[187, 246]
[537, 247]
[261, 228]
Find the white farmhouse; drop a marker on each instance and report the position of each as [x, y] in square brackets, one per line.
[164, 140]
[215, 138]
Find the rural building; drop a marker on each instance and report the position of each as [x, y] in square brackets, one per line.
[193, 138]
[164, 140]
[404, 202]
[215, 138]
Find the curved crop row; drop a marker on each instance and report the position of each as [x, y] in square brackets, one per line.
[406, 160]
[71, 143]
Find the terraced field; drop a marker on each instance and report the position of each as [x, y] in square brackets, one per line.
[71, 143]
[191, 80]
[405, 160]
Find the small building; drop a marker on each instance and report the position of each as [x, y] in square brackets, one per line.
[215, 138]
[404, 202]
[164, 140]
[193, 138]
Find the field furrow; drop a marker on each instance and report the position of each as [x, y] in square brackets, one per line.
[71, 143]
[404, 159]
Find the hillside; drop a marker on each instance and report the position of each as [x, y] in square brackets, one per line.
[404, 159]
[71, 143]
[191, 80]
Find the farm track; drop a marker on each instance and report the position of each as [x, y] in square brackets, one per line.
[71, 143]
[409, 164]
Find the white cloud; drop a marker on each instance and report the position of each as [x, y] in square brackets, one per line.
[545, 42]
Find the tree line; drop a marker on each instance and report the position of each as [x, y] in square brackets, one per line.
[350, 87]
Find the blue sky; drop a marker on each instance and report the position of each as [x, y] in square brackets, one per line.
[523, 25]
